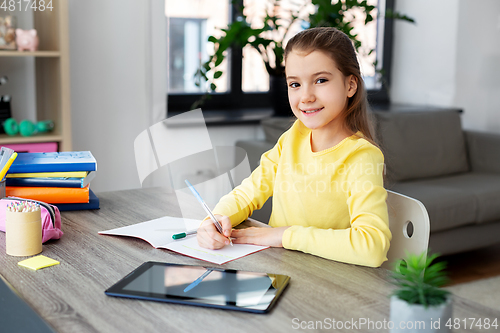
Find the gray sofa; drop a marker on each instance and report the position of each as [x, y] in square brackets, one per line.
[453, 172]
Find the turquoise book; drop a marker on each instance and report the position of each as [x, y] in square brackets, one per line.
[74, 182]
[54, 162]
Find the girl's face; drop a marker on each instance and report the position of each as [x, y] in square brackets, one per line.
[317, 90]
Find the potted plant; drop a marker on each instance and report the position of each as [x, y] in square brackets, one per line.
[418, 300]
[269, 39]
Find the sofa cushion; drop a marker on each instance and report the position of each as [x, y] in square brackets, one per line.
[421, 144]
[456, 200]
[485, 187]
[275, 126]
[447, 207]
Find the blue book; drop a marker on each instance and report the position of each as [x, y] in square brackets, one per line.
[92, 204]
[54, 162]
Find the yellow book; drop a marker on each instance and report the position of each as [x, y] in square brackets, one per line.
[70, 174]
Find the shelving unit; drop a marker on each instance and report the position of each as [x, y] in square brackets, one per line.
[30, 54]
[52, 80]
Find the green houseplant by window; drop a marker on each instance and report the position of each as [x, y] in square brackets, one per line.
[269, 39]
[418, 296]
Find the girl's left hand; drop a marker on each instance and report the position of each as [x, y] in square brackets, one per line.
[259, 236]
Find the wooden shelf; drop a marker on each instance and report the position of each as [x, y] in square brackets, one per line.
[45, 137]
[51, 77]
[4, 53]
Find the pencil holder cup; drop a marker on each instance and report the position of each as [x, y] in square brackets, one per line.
[2, 188]
[23, 233]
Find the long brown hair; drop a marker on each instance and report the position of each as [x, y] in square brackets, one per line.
[339, 47]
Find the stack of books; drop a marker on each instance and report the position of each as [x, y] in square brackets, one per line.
[61, 178]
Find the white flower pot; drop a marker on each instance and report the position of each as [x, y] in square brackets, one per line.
[416, 318]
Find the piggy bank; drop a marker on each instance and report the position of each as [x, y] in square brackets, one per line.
[26, 40]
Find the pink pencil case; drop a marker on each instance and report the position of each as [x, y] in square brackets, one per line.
[51, 218]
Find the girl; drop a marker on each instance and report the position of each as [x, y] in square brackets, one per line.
[325, 174]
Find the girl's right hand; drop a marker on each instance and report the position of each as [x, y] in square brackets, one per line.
[208, 236]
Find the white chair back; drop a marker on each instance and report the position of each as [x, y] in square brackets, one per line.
[409, 225]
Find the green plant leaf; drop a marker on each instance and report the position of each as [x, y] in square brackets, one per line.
[219, 60]
[419, 279]
[390, 14]
[217, 74]
[368, 19]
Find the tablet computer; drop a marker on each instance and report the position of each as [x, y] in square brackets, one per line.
[202, 286]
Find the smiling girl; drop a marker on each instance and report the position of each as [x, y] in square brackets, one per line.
[325, 174]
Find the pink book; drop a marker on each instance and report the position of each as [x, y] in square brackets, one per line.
[38, 147]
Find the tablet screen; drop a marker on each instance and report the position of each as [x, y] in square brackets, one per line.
[202, 286]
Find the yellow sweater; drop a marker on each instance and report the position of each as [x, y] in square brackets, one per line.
[333, 200]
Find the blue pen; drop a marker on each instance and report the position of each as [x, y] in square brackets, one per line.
[209, 212]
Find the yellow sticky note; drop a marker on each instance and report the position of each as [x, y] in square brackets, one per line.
[38, 262]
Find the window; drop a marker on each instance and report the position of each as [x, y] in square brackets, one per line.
[190, 22]
[245, 82]
[185, 53]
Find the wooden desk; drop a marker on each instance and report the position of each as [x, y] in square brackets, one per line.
[70, 296]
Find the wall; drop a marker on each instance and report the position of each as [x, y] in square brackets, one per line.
[478, 64]
[424, 60]
[118, 85]
[108, 85]
[451, 57]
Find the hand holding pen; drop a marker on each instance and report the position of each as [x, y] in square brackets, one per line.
[208, 236]
[216, 233]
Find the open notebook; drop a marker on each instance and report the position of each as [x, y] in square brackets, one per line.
[159, 234]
